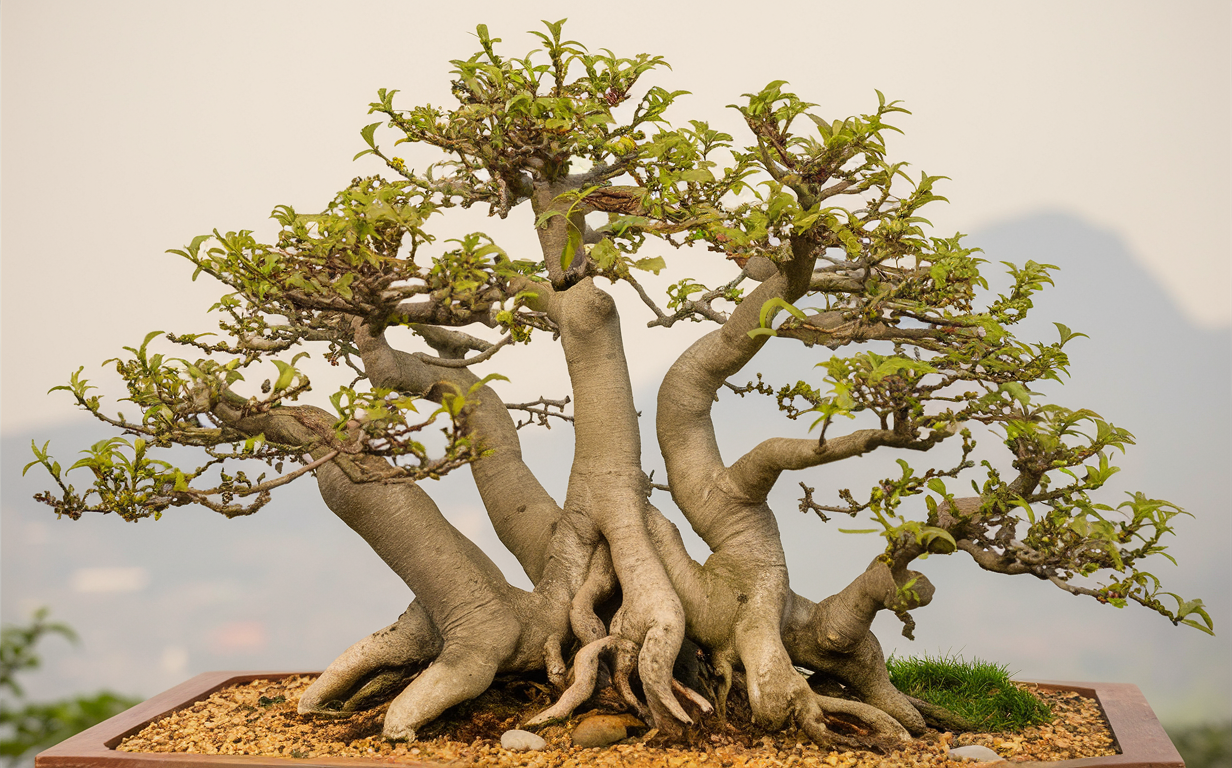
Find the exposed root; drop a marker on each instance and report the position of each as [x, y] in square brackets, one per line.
[626, 662]
[457, 675]
[376, 669]
[586, 667]
[881, 725]
[554, 663]
[654, 666]
[723, 669]
[940, 717]
[886, 698]
[835, 641]
[693, 697]
[857, 725]
[864, 672]
[600, 583]
[585, 671]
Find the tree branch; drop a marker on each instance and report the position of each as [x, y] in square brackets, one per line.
[540, 411]
[435, 313]
[684, 423]
[517, 504]
[756, 472]
[467, 361]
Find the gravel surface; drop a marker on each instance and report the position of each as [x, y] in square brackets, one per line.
[259, 718]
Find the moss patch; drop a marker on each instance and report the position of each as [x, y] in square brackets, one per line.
[977, 690]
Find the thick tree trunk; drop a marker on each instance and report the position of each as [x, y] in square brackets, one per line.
[748, 604]
[606, 483]
[471, 620]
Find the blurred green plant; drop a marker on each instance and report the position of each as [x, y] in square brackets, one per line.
[978, 691]
[26, 727]
[1204, 746]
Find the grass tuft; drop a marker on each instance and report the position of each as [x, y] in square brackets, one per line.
[977, 690]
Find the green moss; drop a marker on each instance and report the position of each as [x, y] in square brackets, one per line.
[977, 690]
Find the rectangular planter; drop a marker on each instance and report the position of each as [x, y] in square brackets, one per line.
[1138, 734]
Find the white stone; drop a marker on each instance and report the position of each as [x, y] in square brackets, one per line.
[976, 753]
[521, 741]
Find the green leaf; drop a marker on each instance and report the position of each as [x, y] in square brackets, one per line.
[485, 380]
[545, 217]
[894, 365]
[604, 253]
[697, 175]
[40, 456]
[654, 264]
[767, 310]
[145, 343]
[343, 285]
[519, 100]
[1196, 625]
[1016, 391]
[286, 373]
[857, 530]
[1067, 334]
[571, 247]
[930, 533]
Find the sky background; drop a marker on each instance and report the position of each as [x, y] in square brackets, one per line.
[1094, 136]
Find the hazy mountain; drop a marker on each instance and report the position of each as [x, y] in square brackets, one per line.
[291, 587]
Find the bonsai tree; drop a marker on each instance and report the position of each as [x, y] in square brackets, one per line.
[835, 261]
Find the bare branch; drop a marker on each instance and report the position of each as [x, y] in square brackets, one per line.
[833, 282]
[756, 472]
[808, 505]
[641, 292]
[834, 329]
[435, 313]
[450, 343]
[603, 172]
[701, 306]
[288, 477]
[540, 411]
[238, 510]
[466, 361]
[742, 391]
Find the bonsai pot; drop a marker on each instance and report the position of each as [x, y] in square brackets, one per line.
[1139, 737]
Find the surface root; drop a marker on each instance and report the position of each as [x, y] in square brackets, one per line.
[941, 718]
[585, 671]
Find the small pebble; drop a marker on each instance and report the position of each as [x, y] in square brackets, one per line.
[599, 731]
[976, 753]
[522, 741]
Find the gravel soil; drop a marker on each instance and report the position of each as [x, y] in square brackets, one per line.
[260, 718]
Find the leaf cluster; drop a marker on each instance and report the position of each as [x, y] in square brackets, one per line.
[194, 404]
